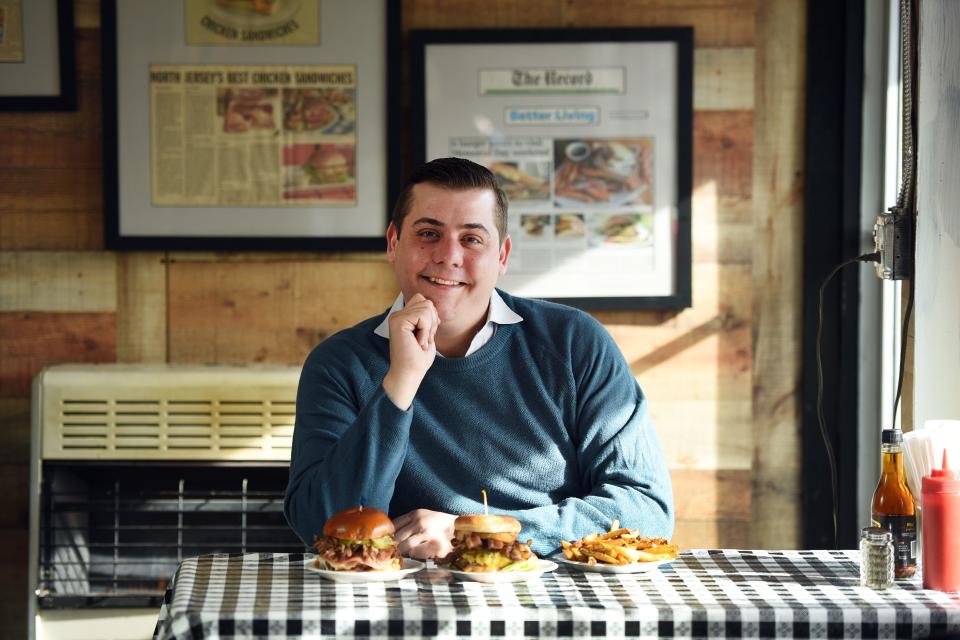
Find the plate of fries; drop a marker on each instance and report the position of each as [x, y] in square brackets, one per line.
[620, 550]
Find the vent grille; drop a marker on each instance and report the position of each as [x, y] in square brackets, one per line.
[170, 417]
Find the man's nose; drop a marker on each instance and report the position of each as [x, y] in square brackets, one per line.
[448, 251]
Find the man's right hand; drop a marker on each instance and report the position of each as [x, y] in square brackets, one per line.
[412, 349]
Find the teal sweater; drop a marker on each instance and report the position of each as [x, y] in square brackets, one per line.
[547, 417]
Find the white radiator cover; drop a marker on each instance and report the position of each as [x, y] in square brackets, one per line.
[145, 412]
[165, 412]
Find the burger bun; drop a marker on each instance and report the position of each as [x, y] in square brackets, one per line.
[479, 523]
[358, 523]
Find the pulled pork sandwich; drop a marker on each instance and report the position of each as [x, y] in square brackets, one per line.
[486, 543]
[358, 539]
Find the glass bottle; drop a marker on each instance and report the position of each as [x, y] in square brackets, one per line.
[893, 507]
[876, 558]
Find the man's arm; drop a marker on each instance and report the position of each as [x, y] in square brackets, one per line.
[345, 451]
[622, 468]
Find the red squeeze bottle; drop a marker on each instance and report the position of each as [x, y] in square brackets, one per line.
[940, 501]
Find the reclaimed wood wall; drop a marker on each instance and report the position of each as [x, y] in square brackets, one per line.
[722, 377]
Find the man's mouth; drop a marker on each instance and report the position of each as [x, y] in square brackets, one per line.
[442, 281]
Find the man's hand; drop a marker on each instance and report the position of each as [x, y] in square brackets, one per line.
[424, 534]
[412, 349]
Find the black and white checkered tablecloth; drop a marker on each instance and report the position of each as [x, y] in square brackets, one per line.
[704, 593]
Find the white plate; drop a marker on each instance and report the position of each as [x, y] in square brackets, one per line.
[541, 567]
[636, 567]
[409, 567]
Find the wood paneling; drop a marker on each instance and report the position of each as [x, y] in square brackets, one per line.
[29, 341]
[723, 79]
[777, 272]
[15, 430]
[723, 152]
[713, 508]
[141, 307]
[716, 23]
[468, 14]
[268, 312]
[57, 281]
[14, 551]
[51, 196]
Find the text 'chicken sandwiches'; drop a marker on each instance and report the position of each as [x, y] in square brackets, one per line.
[486, 543]
[358, 539]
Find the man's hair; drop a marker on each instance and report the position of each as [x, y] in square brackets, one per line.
[456, 174]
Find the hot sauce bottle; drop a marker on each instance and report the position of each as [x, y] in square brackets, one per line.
[893, 507]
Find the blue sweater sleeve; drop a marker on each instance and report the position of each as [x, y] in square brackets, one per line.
[349, 442]
[622, 468]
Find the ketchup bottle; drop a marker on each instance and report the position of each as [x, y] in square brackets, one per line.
[940, 502]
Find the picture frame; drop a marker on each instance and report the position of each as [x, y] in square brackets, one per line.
[590, 134]
[235, 128]
[37, 57]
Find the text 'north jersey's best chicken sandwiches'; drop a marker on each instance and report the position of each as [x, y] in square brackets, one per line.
[489, 543]
[358, 539]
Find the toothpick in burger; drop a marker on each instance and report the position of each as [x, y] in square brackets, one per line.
[487, 543]
[358, 539]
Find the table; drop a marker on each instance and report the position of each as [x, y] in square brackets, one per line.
[703, 593]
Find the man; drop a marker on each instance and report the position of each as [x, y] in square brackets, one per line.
[460, 387]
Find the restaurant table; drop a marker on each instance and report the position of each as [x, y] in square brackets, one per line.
[704, 593]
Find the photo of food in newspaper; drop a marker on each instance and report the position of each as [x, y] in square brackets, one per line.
[629, 229]
[320, 173]
[243, 109]
[523, 181]
[603, 171]
[570, 225]
[535, 226]
[327, 111]
[253, 12]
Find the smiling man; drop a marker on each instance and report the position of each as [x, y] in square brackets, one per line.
[460, 387]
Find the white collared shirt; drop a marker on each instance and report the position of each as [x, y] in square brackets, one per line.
[497, 313]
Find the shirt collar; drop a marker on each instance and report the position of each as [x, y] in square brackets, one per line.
[498, 313]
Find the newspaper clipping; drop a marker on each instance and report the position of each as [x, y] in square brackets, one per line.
[11, 31]
[225, 135]
[252, 22]
[584, 154]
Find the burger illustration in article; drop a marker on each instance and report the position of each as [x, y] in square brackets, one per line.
[320, 173]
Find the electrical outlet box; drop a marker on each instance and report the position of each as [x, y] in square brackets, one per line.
[893, 240]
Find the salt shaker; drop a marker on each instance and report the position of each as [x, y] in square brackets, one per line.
[876, 558]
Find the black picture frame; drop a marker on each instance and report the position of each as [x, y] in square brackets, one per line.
[66, 97]
[228, 239]
[680, 37]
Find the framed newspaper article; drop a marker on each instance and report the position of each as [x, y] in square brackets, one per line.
[37, 68]
[589, 133]
[248, 124]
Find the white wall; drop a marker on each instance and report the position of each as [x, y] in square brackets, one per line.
[937, 329]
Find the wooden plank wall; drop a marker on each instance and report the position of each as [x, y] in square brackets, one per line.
[722, 376]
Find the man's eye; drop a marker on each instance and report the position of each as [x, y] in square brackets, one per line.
[473, 240]
[428, 233]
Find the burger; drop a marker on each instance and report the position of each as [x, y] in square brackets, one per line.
[358, 539]
[484, 543]
[326, 166]
[620, 228]
[264, 7]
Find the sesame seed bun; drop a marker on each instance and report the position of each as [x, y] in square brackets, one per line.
[479, 523]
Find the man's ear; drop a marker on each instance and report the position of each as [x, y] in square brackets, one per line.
[504, 254]
[392, 238]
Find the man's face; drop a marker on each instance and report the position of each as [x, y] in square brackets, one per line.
[449, 251]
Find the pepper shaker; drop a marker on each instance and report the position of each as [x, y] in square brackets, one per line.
[876, 558]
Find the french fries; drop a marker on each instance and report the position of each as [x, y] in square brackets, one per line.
[619, 546]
